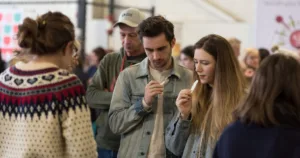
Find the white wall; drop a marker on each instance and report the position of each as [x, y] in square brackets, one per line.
[95, 31]
[244, 9]
[192, 32]
[198, 19]
[95, 35]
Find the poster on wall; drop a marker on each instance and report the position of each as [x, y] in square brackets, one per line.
[9, 21]
[278, 23]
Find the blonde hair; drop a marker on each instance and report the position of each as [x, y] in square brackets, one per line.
[249, 51]
[234, 41]
[217, 103]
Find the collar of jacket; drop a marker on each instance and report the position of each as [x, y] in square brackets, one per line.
[122, 52]
[143, 70]
[136, 60]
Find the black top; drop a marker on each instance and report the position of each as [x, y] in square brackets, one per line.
[253, 141]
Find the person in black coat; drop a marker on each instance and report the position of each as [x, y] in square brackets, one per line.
[268, 121]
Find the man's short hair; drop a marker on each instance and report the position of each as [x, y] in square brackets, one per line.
[154, 26]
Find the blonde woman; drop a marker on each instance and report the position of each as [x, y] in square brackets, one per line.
[252, 58]
[251, 63]
[204, 113]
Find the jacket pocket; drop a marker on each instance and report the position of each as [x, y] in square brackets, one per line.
[170, 109]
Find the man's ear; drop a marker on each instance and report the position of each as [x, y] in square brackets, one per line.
[173, 42]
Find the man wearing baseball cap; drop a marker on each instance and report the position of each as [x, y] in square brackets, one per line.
[99, 92]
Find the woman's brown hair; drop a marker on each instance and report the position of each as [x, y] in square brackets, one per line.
[274, 94]
[47, 34]
[217, 103]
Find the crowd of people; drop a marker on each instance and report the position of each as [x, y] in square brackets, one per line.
[143, 102]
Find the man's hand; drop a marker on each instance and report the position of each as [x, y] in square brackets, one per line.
[152, 89]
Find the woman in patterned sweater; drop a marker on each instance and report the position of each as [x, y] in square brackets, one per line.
[43, 111]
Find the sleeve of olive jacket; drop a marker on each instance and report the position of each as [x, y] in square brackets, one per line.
[177, 134]
[124, 116]
[97, 97]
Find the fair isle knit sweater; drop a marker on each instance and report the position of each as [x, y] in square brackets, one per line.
[43, 114]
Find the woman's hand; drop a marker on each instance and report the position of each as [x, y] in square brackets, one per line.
[184, 103]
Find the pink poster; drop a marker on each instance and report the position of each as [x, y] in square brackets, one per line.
[9, 21]
[278, 23]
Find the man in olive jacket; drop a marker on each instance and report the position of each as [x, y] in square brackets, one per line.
[99, 92]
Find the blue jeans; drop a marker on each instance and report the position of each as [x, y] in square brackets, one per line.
[103, 153]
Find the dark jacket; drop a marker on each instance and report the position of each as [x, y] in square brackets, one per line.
[253, 141]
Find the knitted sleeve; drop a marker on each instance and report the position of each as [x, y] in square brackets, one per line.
[76, 123]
